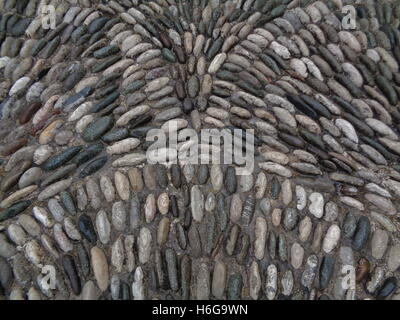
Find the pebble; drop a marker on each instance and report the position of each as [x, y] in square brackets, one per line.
[119, 216]
[123, 146]
[254, 280]
[393, 258]
[308, 276]
[260, 233]
[290, 218]
[324, 128]
[331, 239]
[203, 282]
[361, 233]
[100, 268]
[144, 245]
[197, 205]
[107, 188]
[219, 280]
[297, 254]
[61, 238]
[301, 197]
[117, 255]
[305, 227]
[271, 282]
[379, 243]
[316, 206]
[122, 185]
[103, 227]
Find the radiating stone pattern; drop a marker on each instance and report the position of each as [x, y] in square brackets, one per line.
[77, 193]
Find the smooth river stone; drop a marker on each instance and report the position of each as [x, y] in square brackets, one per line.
[271, 283]
[394, 258]
[150, 208]
[331, 211]
[136, 180]
[379, 242]
[107, 188]
[260, 185]
[163, 203]
[93, 192]
[309, 273]
[254, 280]
[90, 291]
[305, 228]
[301, 197]
[246, 182]
[297, 254]
[219, 279]
[290, 218]
[217, 177]
[100, 268]
[144, 245]
[61, 239]
[122, 185]
[331, 239]
[30, 176]
[119, 216]
[56, 210]
[103, 227]
[286, 191]
[163, 231]
[197, 203]
[260, 232]
[316, 206]
[203, 282]
[235, 208]
[117, 255]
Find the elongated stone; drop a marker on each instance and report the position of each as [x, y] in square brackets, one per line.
[163, 231]
[100, 268]
[230, 180]
[103, 227]
[93, 166]
[58, 174]
[234, 287]
[197, 206]
[14, 210]
[248, 210]
[87, 229]
[144, 245]
[61, 238]
[60, 159]
[88, 153]
[172, 267]
[72, 273]
[97, 128]
[326, 271]
[331, 239]
[309, 273]
[68, 202]
[361, 233]
[260, 238]
[93, 192]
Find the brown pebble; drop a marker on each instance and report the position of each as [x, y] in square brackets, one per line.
[12, 147]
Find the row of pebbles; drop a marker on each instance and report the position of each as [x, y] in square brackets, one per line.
[78, 195]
